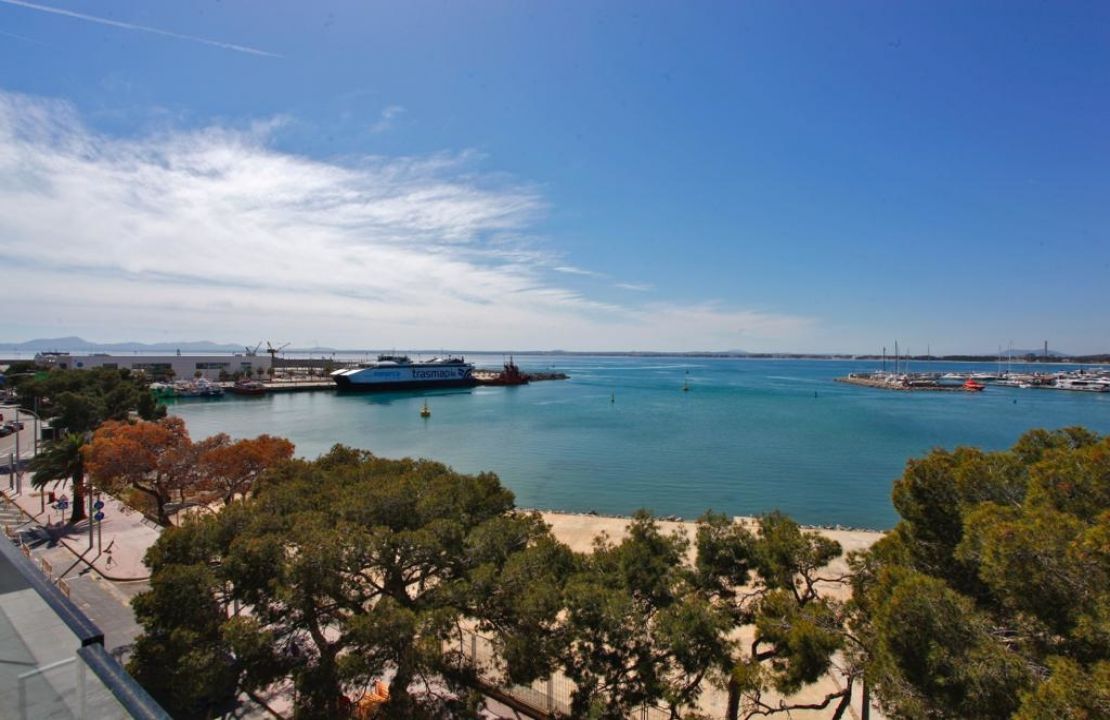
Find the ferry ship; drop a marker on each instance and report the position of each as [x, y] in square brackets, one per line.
[398, 372]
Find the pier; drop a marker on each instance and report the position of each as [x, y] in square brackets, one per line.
[906, 384]
[288, 386]
[328, 385]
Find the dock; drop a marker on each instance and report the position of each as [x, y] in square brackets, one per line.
[889, 383]
[328, 385]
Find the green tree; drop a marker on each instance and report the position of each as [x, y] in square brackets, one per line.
[62, 460]
[776, 581]
[647, 624]
[80, 400]
[637, 630]
[334, 572]
[182, 658]
[991, 598]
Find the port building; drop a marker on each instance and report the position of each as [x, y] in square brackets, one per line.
[161, 367]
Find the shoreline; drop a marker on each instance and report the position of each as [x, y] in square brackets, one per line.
[678, 519]
[578, 531]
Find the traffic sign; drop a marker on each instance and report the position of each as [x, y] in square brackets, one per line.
[99, 516]
[99, 504]
[62, 504]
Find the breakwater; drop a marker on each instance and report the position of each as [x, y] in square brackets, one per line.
[884, 383]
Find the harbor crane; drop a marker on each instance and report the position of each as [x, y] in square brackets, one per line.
[274, 351]
[252, 353]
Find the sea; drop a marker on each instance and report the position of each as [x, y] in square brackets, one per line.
[749, 436]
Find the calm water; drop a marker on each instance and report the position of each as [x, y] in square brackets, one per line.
[749, 437]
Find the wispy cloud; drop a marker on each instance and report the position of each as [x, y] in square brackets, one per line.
[214, 233]
[571, 270]
[138, 28]
[385, 120]
[635, 287]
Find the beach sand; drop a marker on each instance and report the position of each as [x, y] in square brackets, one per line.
[578, 532]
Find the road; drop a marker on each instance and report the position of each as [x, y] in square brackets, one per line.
[26, 436]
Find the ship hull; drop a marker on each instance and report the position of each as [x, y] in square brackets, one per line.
[354, 386]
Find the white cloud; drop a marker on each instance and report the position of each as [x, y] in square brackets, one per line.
[385, 120]
[214, 234]
[572, 270]
[636, 287]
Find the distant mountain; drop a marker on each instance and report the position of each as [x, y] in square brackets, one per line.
[76, 344]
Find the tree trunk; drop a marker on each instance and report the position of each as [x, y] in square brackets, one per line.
[159, 502]
[319, 694]
[163, 518]
[400, 703]
[733, 700]
[845, 702]
[78, 488]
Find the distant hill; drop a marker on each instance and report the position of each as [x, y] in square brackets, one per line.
[76, 344]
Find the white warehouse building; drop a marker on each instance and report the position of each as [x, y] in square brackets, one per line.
[178, 367]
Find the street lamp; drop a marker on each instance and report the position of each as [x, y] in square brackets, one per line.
[18, 452]
[89, 492]
[36, 433]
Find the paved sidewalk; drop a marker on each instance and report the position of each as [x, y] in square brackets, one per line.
[119, 541]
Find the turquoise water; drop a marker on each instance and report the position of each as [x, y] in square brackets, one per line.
[750, 435]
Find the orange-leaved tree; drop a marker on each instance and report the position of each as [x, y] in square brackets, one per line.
[232, 468]
[154, 458]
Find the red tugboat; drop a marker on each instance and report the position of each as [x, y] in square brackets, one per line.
[510, 375]
[973, 386]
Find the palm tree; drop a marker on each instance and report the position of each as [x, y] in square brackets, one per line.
[62, 460]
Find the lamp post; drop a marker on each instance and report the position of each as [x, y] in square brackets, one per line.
[89, 492]
[35, 434]
[18, 459]
[35, 446]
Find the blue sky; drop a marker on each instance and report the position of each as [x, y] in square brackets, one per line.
[778, 176]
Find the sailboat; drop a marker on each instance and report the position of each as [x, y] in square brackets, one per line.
[424, 411]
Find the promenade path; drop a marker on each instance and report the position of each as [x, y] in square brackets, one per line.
[118, 542]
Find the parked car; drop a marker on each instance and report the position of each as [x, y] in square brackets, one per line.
[15, 425]
[5, 431]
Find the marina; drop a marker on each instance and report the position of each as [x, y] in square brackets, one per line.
[747, 436]
[1079, 380]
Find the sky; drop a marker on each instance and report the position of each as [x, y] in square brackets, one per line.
[760, 176]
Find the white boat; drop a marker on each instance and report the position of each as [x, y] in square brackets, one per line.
[1081, 384]
[197, 388]
[398, 372]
